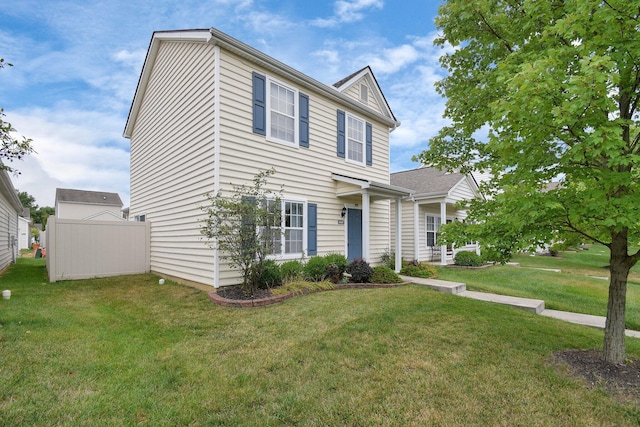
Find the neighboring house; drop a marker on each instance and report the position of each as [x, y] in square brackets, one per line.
[10, 210]
[209, 112]
[432, 203]
[88, 205]
[24, 229]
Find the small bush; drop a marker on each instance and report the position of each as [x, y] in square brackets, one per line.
[389, 259]
[468, 259]
[421, 270]
[291, 271]
[267, 275]
[300, 287]
[315, 269]
[383, 274]
[339, 260]
[360, 271]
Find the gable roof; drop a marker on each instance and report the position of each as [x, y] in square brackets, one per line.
[218, 38]
[428, 181]
[9, 192]
[366, 72]
[67, 195]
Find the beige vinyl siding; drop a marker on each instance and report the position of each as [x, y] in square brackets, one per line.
[408, 235]
[354, 92]
[304, 172]
[83, 211]
[8, 231]
[172, 159]
[462, 191]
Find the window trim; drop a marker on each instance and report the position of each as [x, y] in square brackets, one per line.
[348, 139]
[305, 230]
[296, 113]
[436, 228]
[140, 217]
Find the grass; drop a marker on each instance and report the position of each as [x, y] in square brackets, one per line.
[576, 288]
[127, 351]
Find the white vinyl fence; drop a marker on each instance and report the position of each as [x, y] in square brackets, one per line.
[81, 249]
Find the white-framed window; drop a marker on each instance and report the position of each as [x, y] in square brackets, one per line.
[432, 227]
[140, 218]
[355, 139]
[289, 236]
[282, 112]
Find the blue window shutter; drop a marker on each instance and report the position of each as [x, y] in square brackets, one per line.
[369, 136]
[312, 228]
[259, 104]
[304, 120]
[341, 134]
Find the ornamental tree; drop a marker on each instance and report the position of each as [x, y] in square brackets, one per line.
[542, 91]
[245, 226]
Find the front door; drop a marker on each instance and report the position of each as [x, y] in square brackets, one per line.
[354, 234]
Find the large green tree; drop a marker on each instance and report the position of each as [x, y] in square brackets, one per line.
[11, 148]
[541, 91]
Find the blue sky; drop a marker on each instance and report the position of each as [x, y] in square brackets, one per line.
[76, 65]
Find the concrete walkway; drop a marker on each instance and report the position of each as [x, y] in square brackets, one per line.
[532, 305]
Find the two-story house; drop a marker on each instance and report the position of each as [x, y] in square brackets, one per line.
[209, 112]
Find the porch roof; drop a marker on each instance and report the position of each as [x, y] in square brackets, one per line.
[376, 190]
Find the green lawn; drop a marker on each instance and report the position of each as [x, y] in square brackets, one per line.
[579, 286]
[127, 351]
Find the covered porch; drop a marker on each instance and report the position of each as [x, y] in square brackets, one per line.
[359, 195]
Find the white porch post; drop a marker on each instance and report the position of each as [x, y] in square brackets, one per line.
[443, 221]
[365, 226]
[398, 259]
[416, 231]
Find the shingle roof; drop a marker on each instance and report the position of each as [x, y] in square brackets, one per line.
[90, 197]
[426, 180]
[349, 77]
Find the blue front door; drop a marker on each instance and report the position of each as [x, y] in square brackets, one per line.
[354, 234]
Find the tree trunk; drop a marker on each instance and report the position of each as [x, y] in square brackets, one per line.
[614, 345]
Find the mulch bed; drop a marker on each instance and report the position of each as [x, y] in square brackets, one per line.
[621, 381]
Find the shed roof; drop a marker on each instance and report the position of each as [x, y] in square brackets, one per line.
[67, 195]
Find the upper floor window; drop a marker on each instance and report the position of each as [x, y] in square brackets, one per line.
[355, 139]
[282, 112]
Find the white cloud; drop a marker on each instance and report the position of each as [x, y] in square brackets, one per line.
[75, 149]
[347, 12]
[393, 59]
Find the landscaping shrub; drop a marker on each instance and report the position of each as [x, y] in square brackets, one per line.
[339, 260]
[336, 266]
[389, 259]
[315, 269]
[422, 270]
[267, 275]
[360, 271]
[383, 274]
[468, 259]
[291, 271]
[300, 287]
